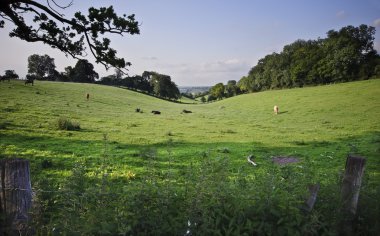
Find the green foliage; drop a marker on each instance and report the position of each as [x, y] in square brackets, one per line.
[162, 85]
[217, 91]
[150, 82]
[70, 39]
[10, 74]
[83, 72]
[345, 55]
[64, 123]
[203, 201]
[42, 67]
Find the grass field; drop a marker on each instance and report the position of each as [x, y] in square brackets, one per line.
[319, 125]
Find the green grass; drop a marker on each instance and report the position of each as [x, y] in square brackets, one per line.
[312, 121]
[319, 125]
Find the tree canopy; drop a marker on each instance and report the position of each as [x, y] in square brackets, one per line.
[11, 74]
[41, 66]
[83, 72]
[162, 85]
[345, 55]
[70, 36]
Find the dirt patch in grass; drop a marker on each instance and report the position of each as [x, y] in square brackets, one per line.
[281, 160]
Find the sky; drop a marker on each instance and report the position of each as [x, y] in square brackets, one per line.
[203, 42]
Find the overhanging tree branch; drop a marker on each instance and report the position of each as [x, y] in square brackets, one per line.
[70, 38]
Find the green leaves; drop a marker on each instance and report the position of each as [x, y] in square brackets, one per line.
[338, 58]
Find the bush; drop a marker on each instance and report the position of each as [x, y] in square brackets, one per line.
[202, 200]
[65, 123]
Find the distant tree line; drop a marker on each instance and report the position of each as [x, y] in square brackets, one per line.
[345, 55]
[9, 74]
[220, 91]
[42, 67]
[150, 82]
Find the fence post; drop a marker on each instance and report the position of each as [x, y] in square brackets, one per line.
[310, 201]
[352, 180]
[15, 196]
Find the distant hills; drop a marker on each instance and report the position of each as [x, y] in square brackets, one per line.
[193, 90]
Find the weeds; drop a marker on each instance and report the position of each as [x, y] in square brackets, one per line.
[64, 123]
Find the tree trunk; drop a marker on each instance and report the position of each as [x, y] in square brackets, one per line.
[15, 196]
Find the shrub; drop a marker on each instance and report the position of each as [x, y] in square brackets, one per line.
[65, 123]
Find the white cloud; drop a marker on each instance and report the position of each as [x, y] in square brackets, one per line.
[207, 73]
[229, 65]
[376, 22]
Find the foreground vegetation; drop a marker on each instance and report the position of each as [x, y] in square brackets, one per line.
[120, 171]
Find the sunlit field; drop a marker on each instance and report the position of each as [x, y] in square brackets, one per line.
[319, 126]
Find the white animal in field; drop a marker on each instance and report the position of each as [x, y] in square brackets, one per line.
[275, 109]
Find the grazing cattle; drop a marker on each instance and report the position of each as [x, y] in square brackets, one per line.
[29, 81]
[186, 111]
[4, 78]
[138, 110]
[275, 109]
[87, 96]
[156, 112]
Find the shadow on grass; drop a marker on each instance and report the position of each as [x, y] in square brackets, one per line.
[282, 112]
[178, 154]
[174, 162]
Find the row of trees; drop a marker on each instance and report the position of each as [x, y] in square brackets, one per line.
[151, 82]
[42, 67]
[220, 91]
[345, 55]
[9, 74]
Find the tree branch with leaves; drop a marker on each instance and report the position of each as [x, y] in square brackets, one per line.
[71, 36]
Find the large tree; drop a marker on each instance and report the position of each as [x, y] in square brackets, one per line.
[68, 35]
[10, 74]
[217, 91]
[83, 72]
[41, 66]
[163, 86]
[231, 88]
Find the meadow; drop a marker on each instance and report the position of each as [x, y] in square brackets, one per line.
[180, 158]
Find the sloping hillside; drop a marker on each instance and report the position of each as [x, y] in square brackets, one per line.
[163, 169]
[310, 115]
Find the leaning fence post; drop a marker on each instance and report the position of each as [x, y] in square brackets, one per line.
[310, 201]
[15, 196]
[352, 180]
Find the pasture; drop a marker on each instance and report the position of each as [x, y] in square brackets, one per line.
[319, 126]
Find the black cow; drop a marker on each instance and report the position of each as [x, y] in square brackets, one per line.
[4, 78]
[156, 112]
[186, 111]
[29, 81]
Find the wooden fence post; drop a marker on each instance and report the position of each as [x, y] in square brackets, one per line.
[352, 180]
[15, 196]
[310, 201]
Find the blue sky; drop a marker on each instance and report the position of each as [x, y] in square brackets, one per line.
[203, 42]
